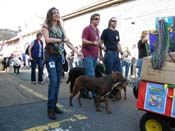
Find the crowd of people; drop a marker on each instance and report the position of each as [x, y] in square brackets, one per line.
[95, 48]
[90, 53]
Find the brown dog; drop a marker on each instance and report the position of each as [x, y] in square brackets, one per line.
[102, 87]
[117, 88]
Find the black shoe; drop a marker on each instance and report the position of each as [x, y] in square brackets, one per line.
[95, 100]
[58, 111]
[86, 97]
[51, 114]
[111, 96]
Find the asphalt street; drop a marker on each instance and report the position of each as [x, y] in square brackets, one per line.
[23, 108]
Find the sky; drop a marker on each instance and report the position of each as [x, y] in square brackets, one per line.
[24, 13]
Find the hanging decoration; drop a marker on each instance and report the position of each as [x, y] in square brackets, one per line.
[161, 46]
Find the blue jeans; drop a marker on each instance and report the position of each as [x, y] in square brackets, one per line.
[139, 66]
[126, 64]
[112, 62]
[54, 68]
[136, 82]
[39, 62]
[90, 65]
[80, 63]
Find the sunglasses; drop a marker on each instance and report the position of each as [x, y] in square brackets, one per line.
[55, 12]
[96, 19]
[113, 21]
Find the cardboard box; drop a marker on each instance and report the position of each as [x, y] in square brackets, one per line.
[165, 75]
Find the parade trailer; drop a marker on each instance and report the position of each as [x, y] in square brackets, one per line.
[158, 100]
[156, 85]
[156, 95]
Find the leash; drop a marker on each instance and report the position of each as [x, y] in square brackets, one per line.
[109, 92]
[69, 44]
[72, 47]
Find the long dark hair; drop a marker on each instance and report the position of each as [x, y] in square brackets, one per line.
[48, 20]
[110, 20]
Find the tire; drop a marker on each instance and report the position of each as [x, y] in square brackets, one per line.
[135, 91]
[153, 122]
[172, 123]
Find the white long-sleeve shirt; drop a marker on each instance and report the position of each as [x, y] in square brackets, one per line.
[17, 62]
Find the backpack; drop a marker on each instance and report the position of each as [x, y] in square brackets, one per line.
[27, 50]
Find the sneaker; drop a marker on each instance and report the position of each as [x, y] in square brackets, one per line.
[58, 111]
[33, 82]
[41, 82]
[51, 114]
[133, 77]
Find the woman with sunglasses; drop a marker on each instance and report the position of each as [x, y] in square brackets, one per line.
[55, 38]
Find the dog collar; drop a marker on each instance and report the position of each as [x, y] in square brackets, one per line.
[116, 84]
[109, 92]
[114, 81]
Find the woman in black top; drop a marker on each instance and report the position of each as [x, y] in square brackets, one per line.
[143, 50]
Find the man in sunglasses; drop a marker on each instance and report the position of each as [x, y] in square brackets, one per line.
[110, 37]
[90, 48]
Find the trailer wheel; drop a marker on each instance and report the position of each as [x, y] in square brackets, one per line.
[172, 122]
[153, 122]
